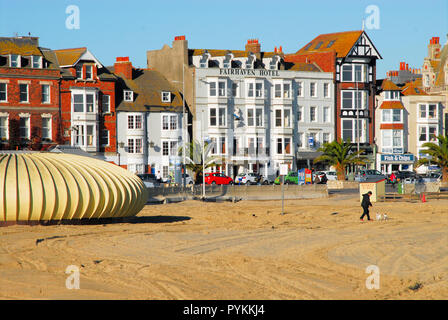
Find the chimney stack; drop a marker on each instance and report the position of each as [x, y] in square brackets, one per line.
[123, 66]
[433, 47]
[253, 46]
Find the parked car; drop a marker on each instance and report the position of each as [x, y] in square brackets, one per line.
[401, 175]
[414, 180]
[291, 178]
[149, 179]
[217, 178]
[366, 175]
[331, 175]
[248, 178]
[432, 177]
[188, 179]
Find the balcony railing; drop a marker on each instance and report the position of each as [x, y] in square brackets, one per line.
[251, 152]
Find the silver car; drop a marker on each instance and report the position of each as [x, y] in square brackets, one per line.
[370, 175]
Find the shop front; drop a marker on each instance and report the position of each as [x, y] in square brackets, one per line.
[388, 163]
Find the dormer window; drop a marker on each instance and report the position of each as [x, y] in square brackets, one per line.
[128, 95]
[392, 95]
[273, 65]
[203, 63]
[166, 96]
[89, 72]
[36, 61]
[227, 63]
[79, 72]
[250, 62]
[15, 61]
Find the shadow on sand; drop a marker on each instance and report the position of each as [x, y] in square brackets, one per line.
[104, 221]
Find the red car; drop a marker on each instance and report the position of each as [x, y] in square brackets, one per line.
[217, 178]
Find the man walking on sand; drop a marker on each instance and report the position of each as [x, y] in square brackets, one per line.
[365, 204]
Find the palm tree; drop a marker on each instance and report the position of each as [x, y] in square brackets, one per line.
[438, 154]
[193, 157]
[340, 155]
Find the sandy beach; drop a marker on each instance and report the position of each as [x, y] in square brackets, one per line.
[246, 250]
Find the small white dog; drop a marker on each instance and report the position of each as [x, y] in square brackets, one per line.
[378, 217]
[385, 217]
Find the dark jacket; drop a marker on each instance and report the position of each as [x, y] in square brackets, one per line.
[366, 201]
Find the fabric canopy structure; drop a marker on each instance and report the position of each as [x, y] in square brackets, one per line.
[50, 186]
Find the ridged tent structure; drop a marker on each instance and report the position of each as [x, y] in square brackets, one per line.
[54, 186]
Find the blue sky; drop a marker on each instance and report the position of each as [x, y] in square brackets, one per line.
[129, 28]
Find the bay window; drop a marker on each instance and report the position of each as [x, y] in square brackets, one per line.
[392, 141]
[353, 130]
[391, 115]
[217, 116]
[283, 118]
[284, 146]
[254, 117]
[219, 145]
[354, 73]
[352, 99]
[391, 95]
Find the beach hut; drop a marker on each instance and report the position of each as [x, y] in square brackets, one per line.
[377, 187]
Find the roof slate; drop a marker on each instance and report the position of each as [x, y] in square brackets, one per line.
[343, 42]
[25, 46]
[147, 86]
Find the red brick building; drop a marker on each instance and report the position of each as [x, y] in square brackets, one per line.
[352, 57]
[29, 95]
[87, 93]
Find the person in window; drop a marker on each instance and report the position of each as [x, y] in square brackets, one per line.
[365, 204]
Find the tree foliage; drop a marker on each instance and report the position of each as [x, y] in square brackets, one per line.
[340, 154]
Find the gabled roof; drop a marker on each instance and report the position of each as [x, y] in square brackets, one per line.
[339, 42]
[388, 85]
[413, 88]
[68, 57]
[147, 86]
[25, 46]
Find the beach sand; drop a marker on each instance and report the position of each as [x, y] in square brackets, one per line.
[246, 250]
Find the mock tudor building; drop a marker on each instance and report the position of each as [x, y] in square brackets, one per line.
[29, 95]
[351, 56]
[149, 118]
[87, 93]
[257, 110]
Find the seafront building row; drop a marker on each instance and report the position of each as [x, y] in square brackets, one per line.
[259, 108]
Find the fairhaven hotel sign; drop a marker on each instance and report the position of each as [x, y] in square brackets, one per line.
[249, 72]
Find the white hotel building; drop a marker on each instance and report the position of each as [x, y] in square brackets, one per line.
[258, 110]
